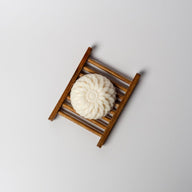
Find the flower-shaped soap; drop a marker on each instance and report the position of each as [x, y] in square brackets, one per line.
[93, 96]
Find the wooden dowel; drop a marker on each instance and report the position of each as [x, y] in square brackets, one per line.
[119, 110]
[112, 112]
[97, 132]
[68, 98]
[120, 96]
[109, 71]
[70, 84]
[90, 120]
[104, 118]
[115, 83]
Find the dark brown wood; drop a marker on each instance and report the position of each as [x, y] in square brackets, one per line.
[119, 110]
[90, 120]
[115, 83]
[104, 118]
[98, 127]
[109, 70]
[69, 86]
[96, 132]
[120, 96]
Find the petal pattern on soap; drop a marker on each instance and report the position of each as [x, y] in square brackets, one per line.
[93, 96]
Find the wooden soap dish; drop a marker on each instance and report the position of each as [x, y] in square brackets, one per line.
[124, 88]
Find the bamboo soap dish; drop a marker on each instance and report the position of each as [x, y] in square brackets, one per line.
[124, 88]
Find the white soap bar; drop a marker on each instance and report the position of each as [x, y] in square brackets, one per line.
[93, 96]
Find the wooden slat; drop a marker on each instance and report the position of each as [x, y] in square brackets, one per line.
[68, 98]
[90, 120]
[120, 96]
[97, 132]
[112, 112]
[95, 126]
[109, 71]
[69, 86]
[104, 118]
[115, 83]
[119, 110]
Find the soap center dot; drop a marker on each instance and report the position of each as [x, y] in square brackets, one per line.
[91, 96]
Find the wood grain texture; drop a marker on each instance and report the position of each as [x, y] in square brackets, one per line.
[104, 118]
[90, 120]
[119, 110]
[98, 127]
[70, 84]
[109, 71]
[120, 97]
[115, 83]
[84, 125]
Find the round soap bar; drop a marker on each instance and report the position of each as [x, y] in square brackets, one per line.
[93, 96]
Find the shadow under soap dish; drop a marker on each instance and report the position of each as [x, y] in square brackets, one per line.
[124, 88]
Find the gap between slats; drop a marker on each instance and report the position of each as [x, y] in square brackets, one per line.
[112, 112]
[105, 118]
[101, 125]
[115, 83]
[81, 123]
[119, 93]
[113, 73]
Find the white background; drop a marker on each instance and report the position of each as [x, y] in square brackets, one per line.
[41, 44]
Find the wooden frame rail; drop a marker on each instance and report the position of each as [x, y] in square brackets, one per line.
[101, 127]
